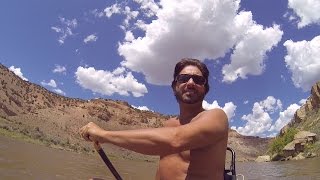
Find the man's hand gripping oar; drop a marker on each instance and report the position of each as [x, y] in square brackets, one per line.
[84, 132]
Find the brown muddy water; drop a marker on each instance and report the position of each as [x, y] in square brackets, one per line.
[22, 160]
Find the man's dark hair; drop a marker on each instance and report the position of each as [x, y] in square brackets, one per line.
[193, 62]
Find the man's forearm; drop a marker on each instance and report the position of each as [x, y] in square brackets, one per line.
[146, 141]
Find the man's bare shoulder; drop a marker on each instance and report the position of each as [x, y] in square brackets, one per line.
[215, 112]
[213, 115]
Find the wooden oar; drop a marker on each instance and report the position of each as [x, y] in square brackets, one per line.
[107, 161]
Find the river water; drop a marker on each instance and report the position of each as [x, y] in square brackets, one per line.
[22, 160]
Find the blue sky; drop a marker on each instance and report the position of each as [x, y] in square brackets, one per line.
[263, 55]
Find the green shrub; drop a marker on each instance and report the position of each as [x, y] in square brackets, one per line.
[289, 135]
[276, 145]
[280, 142]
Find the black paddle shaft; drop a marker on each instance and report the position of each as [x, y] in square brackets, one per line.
[107, 162]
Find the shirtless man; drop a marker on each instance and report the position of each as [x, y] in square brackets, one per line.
[191, 146]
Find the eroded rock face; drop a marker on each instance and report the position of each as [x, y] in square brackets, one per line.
[312, 104]
[305, 135]
[301, 139]
[315, 96]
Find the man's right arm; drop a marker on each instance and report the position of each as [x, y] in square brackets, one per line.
[210, 127]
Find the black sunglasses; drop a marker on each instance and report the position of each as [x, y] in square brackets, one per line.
[183, 78]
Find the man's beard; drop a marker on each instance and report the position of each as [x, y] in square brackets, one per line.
[194, 98]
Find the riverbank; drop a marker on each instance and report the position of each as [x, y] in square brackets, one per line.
[41, 141]
[76, 148]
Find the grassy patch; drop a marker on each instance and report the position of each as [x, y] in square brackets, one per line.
[26, 136]
[313, 148]
[16, 135]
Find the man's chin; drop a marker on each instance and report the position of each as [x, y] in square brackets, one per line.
[191, 100]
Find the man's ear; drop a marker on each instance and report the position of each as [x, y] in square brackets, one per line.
[173, 85]
[174, 92]
[173, 88]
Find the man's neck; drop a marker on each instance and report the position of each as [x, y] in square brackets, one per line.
[189, 111]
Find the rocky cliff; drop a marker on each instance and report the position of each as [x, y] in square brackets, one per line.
[307, 117]
[33, 111]
[305, 121]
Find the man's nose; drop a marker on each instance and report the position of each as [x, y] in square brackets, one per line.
[190, 82]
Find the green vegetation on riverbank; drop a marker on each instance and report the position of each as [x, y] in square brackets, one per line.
[36, 136]
[11, 129]
[310, 148]
[280, 142]
[311, 122]
[6, 132]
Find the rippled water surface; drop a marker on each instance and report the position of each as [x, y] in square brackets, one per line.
[302, 169]
[21, 160]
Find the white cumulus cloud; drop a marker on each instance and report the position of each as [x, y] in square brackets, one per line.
[203, 29]
[59, 69]
[259, 122]
[129, 36]
[129, 15]
[302, 101]
[90, 38]
[308, 11]
[249, 54]
[59, 91]
[142, 108]
[229, 108]
[54, 87]
[150, 7]
[284, 118]
[271, 104]
[51, 83]
[65, 29]
[97, 13]
[18, 72]
[108, 83]
[303, 60]
[114, 9]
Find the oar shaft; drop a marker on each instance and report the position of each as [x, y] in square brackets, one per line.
[107, 161]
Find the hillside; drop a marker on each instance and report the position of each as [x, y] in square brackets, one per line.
[307, 117]
[35, 112]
